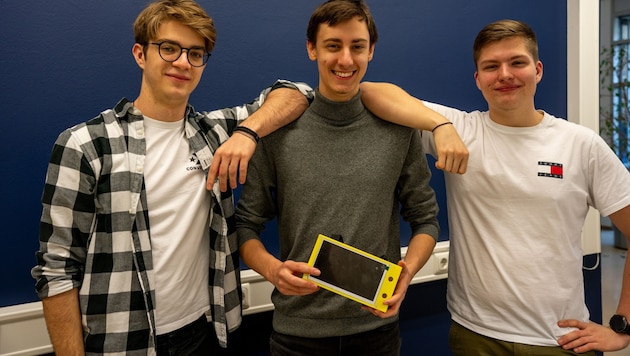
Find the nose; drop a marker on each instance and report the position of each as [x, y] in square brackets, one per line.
[182, 61]
[504, 72]
[345, 57]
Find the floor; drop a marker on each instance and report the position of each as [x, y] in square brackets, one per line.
[613, 260]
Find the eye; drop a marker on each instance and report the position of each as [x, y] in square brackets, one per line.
[169, 48]
[196, 54]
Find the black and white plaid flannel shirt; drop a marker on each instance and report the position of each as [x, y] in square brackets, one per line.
[94, 231]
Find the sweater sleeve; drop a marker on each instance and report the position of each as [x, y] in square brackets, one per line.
[256, 205]
[419, 205]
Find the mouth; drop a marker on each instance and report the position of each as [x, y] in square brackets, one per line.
[507, 88]
[343, 75]
[178, 77]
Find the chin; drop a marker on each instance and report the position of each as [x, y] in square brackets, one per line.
[347, 89]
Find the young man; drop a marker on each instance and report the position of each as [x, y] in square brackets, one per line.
[341, 172]
[515, 274]
[130, 236]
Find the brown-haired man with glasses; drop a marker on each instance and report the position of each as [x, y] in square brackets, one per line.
[130, 236]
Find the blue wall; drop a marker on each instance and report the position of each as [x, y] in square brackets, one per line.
[65, 61]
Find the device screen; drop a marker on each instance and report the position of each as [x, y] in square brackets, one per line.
[348, 270]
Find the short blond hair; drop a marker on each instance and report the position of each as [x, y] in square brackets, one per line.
[187, 12]
[502, 29]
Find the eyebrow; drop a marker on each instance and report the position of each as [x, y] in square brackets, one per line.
[518, 56]
[179, 44]
[337, 40]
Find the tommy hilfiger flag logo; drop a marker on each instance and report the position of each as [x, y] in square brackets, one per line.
[549, 169]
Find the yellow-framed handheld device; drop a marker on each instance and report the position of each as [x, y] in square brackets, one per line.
[353, 273]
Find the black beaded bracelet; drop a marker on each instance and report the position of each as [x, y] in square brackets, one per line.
[248, 131]
[442, 124]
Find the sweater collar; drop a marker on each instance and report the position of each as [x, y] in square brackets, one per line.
[343, 112]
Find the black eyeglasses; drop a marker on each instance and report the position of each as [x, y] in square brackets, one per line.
[171, 51]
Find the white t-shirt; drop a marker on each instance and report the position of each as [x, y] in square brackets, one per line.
[515, 220]
[179, 206]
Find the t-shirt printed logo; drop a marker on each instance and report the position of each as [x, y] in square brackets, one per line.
[193, 163]
[549, 169]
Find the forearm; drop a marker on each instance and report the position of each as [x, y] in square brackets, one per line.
[63, 320]
[621, 219]
[393, 104]
[623, 307]
[285, 276]
[256, 256]
[418, 253]
[281, 107]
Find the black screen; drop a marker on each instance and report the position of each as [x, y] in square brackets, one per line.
[348, 270]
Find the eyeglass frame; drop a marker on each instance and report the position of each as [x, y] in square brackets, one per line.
[181, 50]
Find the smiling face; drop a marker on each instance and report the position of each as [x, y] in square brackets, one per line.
[507, 75]
[168, 83]
[342, 53]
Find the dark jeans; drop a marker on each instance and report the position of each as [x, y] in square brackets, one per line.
[196, 338]
[384, 341]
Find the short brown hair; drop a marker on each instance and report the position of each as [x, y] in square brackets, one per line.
[502, 29]
[334, 12]
[187, 12]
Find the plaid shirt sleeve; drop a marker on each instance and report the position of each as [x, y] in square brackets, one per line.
[94, 231]
[67, 218]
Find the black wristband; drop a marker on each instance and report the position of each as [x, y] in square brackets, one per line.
[248, 131]
[442, 124]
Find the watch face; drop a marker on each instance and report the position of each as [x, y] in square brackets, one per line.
[618, 323]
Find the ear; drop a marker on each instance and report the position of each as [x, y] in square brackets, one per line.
[539, 71]
[476, 75]
[138, 54]
[371, 55]
[311, 50]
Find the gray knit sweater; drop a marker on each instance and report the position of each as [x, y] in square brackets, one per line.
[340, 171]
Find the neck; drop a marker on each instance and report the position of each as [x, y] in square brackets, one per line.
[515, 117]
[160, 110]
